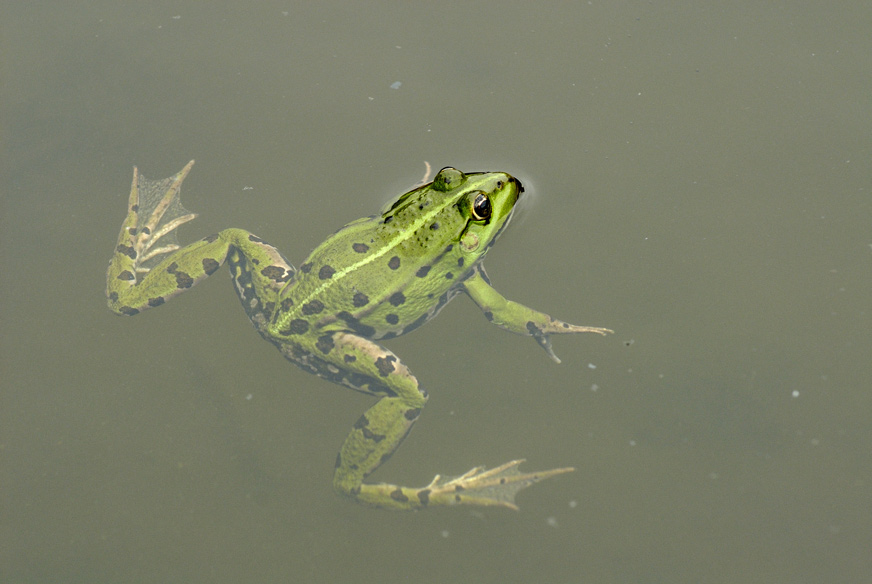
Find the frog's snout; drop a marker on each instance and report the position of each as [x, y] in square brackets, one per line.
[515, 183]
[519, 188]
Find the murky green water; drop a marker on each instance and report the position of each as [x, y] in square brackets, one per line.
[701, 180]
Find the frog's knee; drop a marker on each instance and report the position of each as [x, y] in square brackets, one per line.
[417, 403]
[343, 482]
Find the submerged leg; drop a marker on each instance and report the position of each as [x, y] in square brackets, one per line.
[517, 318]
[149, 266]
[364, 365]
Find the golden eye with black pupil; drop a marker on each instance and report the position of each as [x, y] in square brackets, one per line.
[481, 207]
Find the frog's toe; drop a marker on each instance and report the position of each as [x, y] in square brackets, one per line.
[495, 487]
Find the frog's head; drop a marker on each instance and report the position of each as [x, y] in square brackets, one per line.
[482, 202]
[460, 212]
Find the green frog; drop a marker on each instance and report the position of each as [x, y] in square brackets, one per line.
[376, 278]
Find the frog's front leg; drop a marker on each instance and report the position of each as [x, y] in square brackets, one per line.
[518, 318]
[359, 363]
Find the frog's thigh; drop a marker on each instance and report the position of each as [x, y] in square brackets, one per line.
[259, 272]
[379, 431]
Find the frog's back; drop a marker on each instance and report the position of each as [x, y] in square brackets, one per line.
[383, 275]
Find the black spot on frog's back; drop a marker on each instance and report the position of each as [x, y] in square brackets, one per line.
[359, 300]
[298, 326]
[397, 298]
[325, 343]
[326, 272]
[312, 307]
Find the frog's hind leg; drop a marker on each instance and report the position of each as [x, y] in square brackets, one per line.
[361, 364]
[188, 266]
[154, 212]
[149, 267]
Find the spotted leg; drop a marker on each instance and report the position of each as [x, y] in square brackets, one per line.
[359, 363]
[517, 318]
[149, 267]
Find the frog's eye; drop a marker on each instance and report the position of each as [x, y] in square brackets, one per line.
[481, 207]
[448, 178]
